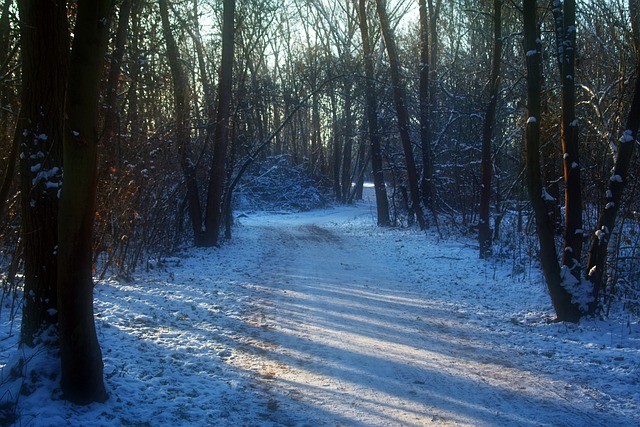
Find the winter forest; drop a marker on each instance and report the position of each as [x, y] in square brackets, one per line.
[317, 212]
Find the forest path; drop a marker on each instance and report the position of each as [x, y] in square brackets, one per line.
[337, 330]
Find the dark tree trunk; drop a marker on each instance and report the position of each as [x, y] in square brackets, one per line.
[382, 201]
[401, 111]
[425, 109]
[560, 298]
[81, 359]
[573, 233]
[606, 222]
[112, 113]
[213, 216]
[434, 12]
[45, 50]
[182, 134]
[348, 142]
[484, 227]
[337, 147]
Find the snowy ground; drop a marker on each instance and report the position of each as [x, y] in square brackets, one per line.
[321, 318]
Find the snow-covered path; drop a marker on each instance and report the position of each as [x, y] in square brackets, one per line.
[322, 318]
[361, 343]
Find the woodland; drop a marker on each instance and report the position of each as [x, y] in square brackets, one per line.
[165, 118]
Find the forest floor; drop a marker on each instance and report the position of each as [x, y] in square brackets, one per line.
[323, 319]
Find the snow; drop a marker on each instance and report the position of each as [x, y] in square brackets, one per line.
[627, 136]
[546, 196]
[531, 119]
[323, 319]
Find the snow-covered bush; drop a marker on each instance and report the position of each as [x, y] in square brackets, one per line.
[277, 185]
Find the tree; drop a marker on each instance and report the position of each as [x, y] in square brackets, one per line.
[561, 298]
[112, 116]
[213, 217]
[181, 105]
[371, 104]
[425, 108]
[45, 41]
[484, 228]
[619, 178]
[81, 358]
[399, 98]
[573, 230]
[6, 55]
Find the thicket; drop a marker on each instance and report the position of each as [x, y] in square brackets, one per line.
[298, 84]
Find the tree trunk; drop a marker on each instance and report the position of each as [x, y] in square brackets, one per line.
[182, 134]
[337, 147]
[112, 114]
[425, 109]
[213, 216]
[560, 297]
[434, 12]
[401, 110]
[573, 233]
[382, 201]
[484, 228]
[45, 50]
[348, 142]
[617, 182]
[81, 359]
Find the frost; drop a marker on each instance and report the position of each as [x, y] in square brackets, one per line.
[532, 120]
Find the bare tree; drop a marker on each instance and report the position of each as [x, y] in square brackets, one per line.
[561, 299]
[181, 105]
[45, 50]
[618, 181]
[573, 231]
[213, 215]
[81, 358]
[484, 228]
[399, 97]
[371, 104]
